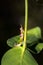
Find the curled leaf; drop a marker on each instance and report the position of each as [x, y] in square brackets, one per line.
[33, 35]
[39, 47]
[13, 41]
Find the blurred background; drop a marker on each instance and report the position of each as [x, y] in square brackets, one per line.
[12, 14]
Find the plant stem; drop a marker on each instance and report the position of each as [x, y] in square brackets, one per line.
[26, 20]
[25, 31]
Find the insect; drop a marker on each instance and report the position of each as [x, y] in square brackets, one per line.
[21, 36]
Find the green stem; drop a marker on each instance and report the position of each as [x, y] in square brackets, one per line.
[25, 31]
[26, 19]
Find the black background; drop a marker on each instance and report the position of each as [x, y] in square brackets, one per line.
[12, 14]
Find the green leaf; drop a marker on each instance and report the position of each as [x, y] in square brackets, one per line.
[28, 59]
[33, 35]
[13, 41]
[39, 47]
[11, 56]
[14, 57]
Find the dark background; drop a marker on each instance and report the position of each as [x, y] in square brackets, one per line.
[12, 14]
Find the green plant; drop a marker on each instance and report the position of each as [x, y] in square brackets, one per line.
[19, 54]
